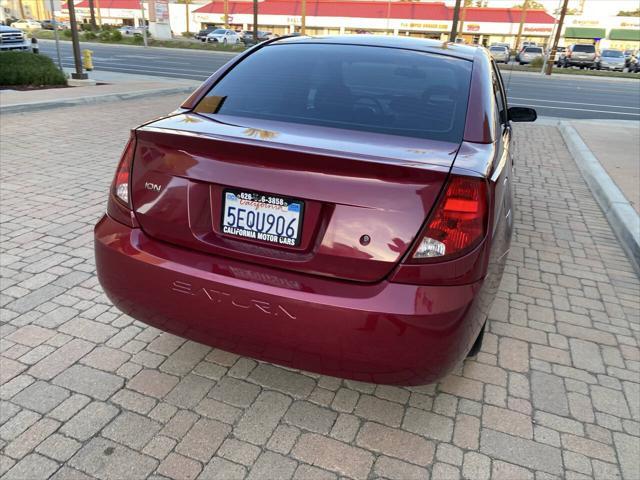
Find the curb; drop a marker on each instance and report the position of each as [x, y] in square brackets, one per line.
[107, 97]
[122, 45]
[622, 217]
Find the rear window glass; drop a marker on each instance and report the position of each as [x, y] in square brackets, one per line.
[612, 53]
[584, 48]
[533, 50]
[374, 89]
[497, 49]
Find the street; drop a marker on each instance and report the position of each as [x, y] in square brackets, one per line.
[556, 96]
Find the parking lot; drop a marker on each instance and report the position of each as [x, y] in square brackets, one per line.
[88, 392]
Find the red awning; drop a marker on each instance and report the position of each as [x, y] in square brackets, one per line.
[369, 9]
[122, 4]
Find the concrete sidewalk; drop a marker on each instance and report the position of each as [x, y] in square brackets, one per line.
[608, 156]
[616, 145]
[115, 86]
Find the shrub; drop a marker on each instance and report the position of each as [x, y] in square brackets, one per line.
[110, 36]
[66, 33]
[537, 63]
[89, 36]
[85, 27]
[187, 34]
[26, 68]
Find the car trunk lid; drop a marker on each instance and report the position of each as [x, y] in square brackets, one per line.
[364, 196]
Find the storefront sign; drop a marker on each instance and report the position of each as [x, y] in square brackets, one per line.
[162, 11]
[425, 26]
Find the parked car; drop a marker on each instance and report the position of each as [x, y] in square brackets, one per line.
[224, 36]
[13, 39]
[610, 59]
[628, 55]
[634, 64]
[202, 34]
[247, 36]
[500, 54]
[53, 25]
[352, 221]
[559, 52]
[131, 31]
[529, 54]
[27, 25]
[579, 55]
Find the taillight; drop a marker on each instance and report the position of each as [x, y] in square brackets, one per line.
[121, 183]
[458, 222]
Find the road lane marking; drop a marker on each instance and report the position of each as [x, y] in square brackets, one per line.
[575, 109]
[571, 103]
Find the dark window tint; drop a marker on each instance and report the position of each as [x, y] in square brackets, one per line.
[612, 53]
[584, 48]
[533, 50]
[384, 90]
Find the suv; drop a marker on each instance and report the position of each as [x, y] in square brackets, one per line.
[580, 55]
[202, 34]
[13, 39]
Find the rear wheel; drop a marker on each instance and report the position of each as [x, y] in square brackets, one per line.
[477, 345]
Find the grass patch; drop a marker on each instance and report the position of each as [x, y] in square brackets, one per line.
[29, 69]
[568, 71]
[115, 37]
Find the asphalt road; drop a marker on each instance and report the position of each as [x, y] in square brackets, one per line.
[556, 96]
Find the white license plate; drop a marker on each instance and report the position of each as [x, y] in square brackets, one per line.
[262, 216]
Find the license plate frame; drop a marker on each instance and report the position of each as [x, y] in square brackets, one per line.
[265, 203]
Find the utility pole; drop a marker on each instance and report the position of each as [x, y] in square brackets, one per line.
[226, 13]
[92, 15]
[454, 25]
[255, 22]
[186, 12]
[99, 13]
[303, 17]
[21, 5]
[523, 15]
[554, 48]
[144, 24]
[79, 74]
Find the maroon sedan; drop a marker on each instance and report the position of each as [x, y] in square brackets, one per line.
[341, 205]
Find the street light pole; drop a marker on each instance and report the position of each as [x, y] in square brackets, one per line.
[144, 24]
[255, 22]
[55, 34]
[523, 15]
[454, 26]
[79, 74]
[556, 40]
[303, 17]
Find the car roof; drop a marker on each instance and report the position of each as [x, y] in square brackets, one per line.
[466, 52]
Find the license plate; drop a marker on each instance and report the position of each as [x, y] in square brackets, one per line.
[262, 216]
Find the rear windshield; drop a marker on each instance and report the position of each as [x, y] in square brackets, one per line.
[612, 53]
[219, 31]
[497, 49]
[584, 48]
[374, 89]
[533, 50]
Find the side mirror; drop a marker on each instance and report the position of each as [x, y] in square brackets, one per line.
[522, 114]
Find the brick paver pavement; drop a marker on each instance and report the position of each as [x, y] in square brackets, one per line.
[88, 392]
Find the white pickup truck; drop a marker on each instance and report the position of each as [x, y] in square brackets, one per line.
[13, 39]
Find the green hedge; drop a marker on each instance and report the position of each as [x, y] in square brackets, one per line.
[26, 68]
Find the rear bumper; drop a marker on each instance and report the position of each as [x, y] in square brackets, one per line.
[384, 332]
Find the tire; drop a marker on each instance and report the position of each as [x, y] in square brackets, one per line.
[477, 345]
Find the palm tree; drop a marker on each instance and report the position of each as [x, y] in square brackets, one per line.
[303, 17]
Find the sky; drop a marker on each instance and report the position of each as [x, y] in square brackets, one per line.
[593, 8]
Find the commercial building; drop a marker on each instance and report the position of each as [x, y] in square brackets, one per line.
[419, 19]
